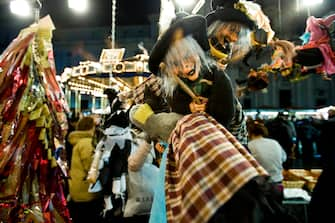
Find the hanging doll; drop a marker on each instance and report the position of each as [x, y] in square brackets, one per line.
[199, 145]
[230, 30]
[190, 80]
[317, 51]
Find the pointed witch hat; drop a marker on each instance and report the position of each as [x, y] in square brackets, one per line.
[229, 11]
[190, 25]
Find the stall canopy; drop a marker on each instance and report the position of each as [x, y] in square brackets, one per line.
[111, 71]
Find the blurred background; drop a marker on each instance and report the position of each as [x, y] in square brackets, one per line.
[132, 25]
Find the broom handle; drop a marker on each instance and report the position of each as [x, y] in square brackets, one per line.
[187, 90]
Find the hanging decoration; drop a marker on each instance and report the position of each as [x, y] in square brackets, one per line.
[32, 108]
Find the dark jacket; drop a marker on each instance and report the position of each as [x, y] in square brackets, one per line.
[220, 96]
[253, 203]
[324, 188]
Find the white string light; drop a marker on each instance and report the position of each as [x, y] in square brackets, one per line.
[79, 6]
[21, 8]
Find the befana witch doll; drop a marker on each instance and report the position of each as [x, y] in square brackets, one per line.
[317, 49]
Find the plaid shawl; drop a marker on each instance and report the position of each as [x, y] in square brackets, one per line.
[206, 165]
[153, 82]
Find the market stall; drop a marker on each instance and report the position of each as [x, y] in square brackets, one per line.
[111, 71]
[298, 187]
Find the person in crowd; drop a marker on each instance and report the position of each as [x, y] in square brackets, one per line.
[61, 158]
[85, 206]
[319, 209]
[307, 137]
[282, 130]
[72, 121]
[268, 152]
[63, 164]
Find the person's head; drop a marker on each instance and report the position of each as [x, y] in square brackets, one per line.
[72, 118]
[256, 128]
[331, 112]
[111, 94]
[60, 153]
[85, 123]
[283, 115]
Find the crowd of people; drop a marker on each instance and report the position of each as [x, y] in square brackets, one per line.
[212, 164]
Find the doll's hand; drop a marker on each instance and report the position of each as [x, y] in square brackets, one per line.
[198, 107]
[252, 73]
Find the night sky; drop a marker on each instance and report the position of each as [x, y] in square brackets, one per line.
[128, 12]
[136, 12]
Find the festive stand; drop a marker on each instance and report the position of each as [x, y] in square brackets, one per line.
[33, 117]
[111, 71]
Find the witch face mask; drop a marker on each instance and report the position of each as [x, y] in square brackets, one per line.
[183, 59]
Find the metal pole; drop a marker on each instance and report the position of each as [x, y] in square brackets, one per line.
[113, 23]
[37, 9]
[279, 16]
[308, 11]
[198, 6]
[112, 36]
[297, 5]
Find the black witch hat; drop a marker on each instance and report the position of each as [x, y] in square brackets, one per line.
[229, 11]
[194, 25]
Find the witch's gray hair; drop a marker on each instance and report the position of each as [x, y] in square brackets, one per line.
[186, 46]
[243, 44]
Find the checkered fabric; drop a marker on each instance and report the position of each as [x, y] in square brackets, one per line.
[238, 125]
[153, 82]
[206, 165]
